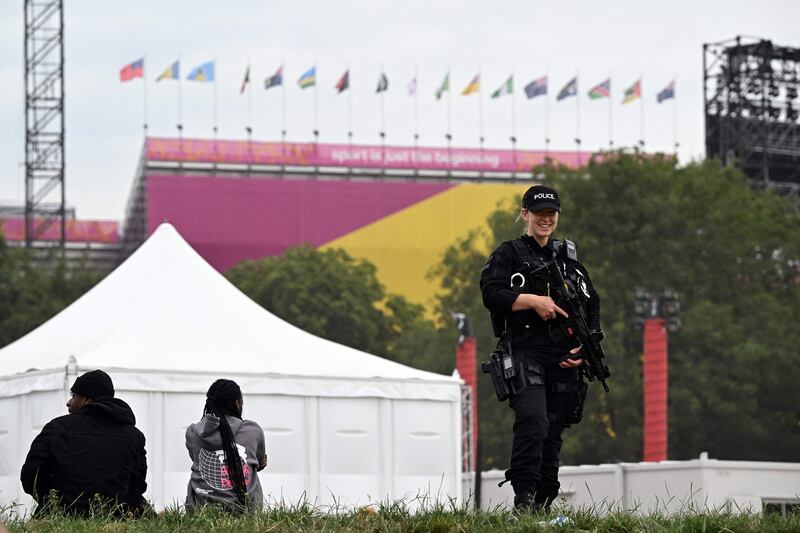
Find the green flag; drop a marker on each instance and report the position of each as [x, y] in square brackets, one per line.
[506, 88]
[444, 87]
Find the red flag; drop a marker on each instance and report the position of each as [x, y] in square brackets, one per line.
[131, 71]
[344, 81]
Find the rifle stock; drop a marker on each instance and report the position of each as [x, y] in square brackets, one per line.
[591, 352]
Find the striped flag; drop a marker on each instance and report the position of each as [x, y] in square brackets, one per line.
[634, 92]
[602, 90]
[173, 72]
[506, 88]
[473, 87]
[570, 89]
[444, 87]
[309, 78]
[246, 80]
[132, 70]
[344, 82]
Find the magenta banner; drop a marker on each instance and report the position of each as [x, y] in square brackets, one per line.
[106, 231]
[359, 156]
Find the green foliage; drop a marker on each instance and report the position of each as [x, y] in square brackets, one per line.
[31, 293]
[332, 295]
[732, 253]
[409, 516]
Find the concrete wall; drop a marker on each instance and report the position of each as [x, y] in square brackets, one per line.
[665, 487]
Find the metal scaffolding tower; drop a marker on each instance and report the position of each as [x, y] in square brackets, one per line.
[44, 118]
[751, 102]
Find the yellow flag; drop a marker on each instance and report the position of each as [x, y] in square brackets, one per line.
[473, 87]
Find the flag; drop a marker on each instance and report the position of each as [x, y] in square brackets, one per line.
[634, 92]
[172, 72]
[204, 72]
[344, 81]
[133, 70]
[473, 87]
[570, 89]
[667, 92]
[246, 80]
[275, 80]
[383, 83]
[445, 86]
[602, 90]
[412, 87]
[506, 88]
[309, 79]
[536, 87]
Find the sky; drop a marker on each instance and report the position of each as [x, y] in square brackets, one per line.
[624, 39]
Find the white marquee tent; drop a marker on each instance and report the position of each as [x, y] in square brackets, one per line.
[340, 425]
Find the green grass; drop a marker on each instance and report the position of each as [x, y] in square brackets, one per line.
[398, 517]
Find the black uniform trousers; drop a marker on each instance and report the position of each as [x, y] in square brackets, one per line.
[542, 411]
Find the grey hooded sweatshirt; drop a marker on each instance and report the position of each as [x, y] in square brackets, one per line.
[209, 483]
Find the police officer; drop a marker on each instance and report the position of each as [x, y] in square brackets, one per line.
[549, 360]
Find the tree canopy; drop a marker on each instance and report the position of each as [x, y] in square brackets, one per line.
[332, 295]
[732, 254]
[32, 293]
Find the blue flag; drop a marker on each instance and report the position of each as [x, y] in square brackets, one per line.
[204, 72]
[536, 87]
[275, 80]
[667, 92]
[570, 89]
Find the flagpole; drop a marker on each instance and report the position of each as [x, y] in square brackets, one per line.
[547, 120]
[316, 99]
[480, 114]
[349, 109]
[578, 120]
[641, 112]
[283, 110]
[416, 115]
[449, 134]
[416, 106]
[675, 116]
[215, 101]
[144, 91]
[383, 120]
[513, 124]
[180, 109]
[249, 128]
[610, 116]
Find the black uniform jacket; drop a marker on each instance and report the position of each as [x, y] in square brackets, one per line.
[96, 450]
[527, 328]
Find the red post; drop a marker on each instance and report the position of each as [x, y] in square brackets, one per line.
[654, 369]
[466, 364]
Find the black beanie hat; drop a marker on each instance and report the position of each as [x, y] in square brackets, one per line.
[93, 385]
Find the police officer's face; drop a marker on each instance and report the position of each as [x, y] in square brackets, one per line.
[541, 224]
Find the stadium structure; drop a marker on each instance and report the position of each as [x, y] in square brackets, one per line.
[398, 207]
[752, 111]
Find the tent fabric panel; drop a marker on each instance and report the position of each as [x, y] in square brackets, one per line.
[448, 391]
[30, 382]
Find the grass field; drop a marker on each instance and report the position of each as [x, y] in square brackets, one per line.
[398, 517]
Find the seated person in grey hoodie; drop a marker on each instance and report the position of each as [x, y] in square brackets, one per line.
[226, 453]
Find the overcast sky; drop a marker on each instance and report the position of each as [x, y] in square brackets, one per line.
[625, 39]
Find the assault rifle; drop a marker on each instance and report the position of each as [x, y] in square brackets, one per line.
[594, 366]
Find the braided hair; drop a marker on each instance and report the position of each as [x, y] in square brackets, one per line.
[221, 402]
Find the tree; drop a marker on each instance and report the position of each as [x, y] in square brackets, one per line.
[330, 294]
[31, 293]
[732, 254]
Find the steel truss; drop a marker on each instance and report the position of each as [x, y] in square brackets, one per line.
[44, 118]
[751, 102]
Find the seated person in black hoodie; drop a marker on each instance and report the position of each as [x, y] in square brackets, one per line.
[93, 455]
